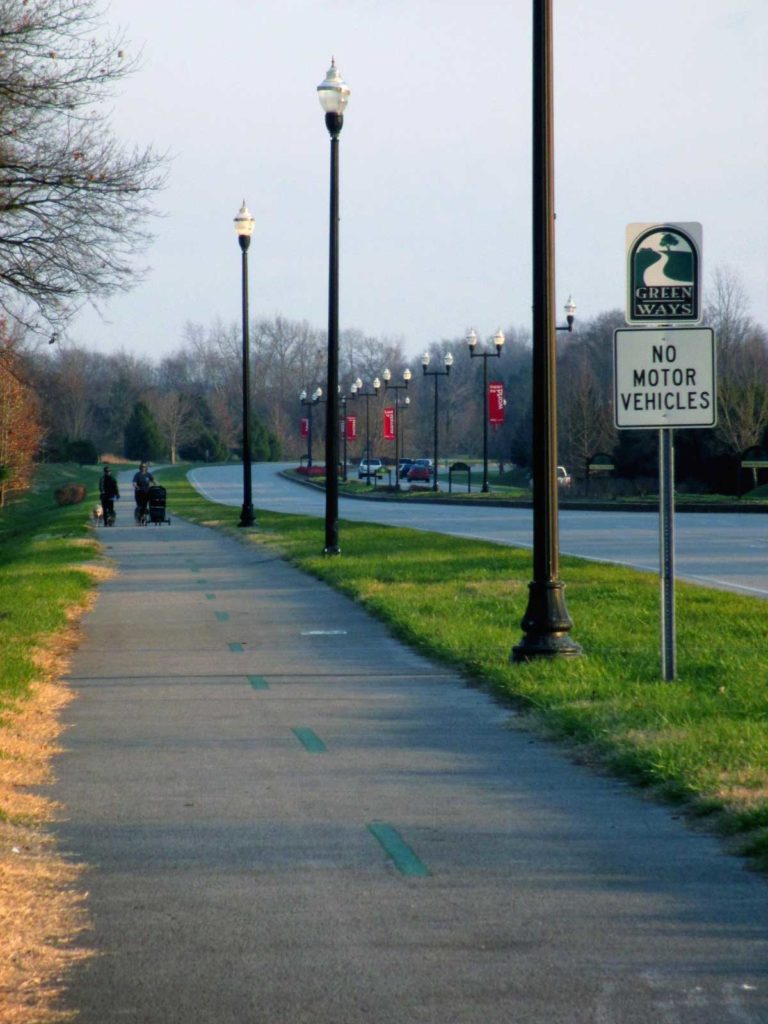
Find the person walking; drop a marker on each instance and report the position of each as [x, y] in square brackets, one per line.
[108, 492]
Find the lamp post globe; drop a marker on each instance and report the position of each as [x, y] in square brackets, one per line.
[333, 94]
[244, 225]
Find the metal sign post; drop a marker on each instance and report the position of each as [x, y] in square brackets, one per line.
[667, 553]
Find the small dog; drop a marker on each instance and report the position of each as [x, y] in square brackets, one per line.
[98, 515]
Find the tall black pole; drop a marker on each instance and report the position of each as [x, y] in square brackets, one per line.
[334, 123]
[246, 512]
[343, 426]
[434, 478]
[397, 388]
[485, 488]
[546, 622]
[436, 373]
[309, 435]
[498, 340]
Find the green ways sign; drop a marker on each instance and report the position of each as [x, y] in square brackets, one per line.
[663, 273]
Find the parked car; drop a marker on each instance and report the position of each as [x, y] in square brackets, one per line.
[420, 470]
[564, 478]
[405, 465]
[369, 468]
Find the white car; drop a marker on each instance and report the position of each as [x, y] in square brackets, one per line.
[369, 468]
[564, 478]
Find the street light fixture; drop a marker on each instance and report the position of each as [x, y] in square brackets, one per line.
[448, 361]
[546, 622]
[498, 341]
[570, 314]
[309, 404]
[397, 388]
[244, 227]
[333, 93]
[357, 392]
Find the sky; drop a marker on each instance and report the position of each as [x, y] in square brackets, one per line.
[660, 115]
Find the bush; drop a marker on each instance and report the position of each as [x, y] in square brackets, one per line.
[70, 494]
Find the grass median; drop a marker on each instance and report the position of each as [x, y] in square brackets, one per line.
[701, 741]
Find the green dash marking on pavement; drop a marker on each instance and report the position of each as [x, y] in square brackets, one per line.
[222, 616]
[201, 581]
[258, 682]
[194, 568]
[405, 860]
[310, 741]
[236, 648]
[210, 597]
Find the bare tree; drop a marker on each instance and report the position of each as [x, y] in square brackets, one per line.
[72, 200]
[174, 415]
[586, 426]
[742, 353]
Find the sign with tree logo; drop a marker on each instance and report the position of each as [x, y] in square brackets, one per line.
[663, 273]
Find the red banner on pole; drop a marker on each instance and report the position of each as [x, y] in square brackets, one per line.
[496, 403]
[351, 428]
[389, 423]
[305, 426]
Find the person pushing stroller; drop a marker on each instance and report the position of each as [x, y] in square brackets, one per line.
[142, 481]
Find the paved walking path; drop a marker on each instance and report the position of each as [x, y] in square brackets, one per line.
[290, 817]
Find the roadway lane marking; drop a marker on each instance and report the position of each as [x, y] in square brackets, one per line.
[310, 741]
[258, 682]
[236, 648]
[323, 632]
[403, 857]
[222, 616]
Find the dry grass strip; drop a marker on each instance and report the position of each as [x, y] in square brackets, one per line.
[42, 905]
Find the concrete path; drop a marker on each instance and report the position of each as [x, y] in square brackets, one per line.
[290, 817]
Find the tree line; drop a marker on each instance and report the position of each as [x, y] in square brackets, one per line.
[188, 404]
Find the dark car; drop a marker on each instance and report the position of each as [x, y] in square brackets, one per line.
[405, 465]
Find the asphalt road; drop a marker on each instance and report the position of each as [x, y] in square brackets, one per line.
[288, 817]
[712, 548]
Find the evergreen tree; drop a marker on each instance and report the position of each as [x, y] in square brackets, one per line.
[143, 439]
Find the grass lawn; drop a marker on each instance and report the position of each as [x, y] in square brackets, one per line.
[42, 551]
[701, 741]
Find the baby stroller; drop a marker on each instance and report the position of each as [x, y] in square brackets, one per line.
[156, 506]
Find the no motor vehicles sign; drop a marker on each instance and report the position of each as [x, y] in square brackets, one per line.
[664, 377]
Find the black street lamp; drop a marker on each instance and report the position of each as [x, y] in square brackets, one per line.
[343, 424]
[498, 341]
[436, 373]
[397, 388]
[357, 392]
[333, 93]
[546, 622]
[244, 229]
[309, 404]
